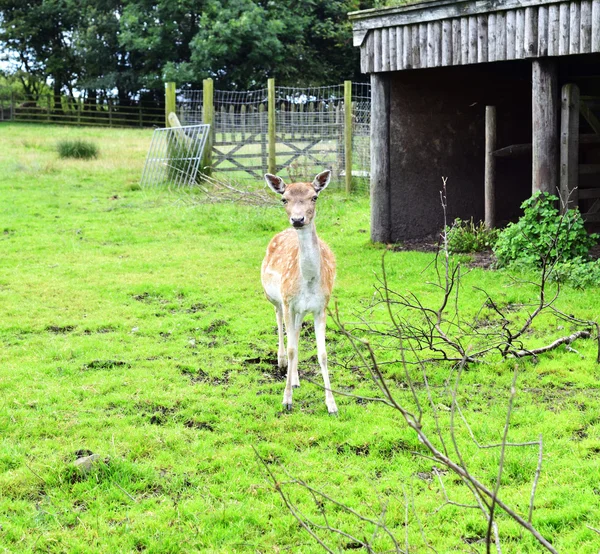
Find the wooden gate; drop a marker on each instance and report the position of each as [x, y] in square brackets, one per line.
[309, 137]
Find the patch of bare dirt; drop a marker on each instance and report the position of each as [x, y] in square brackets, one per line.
[426, 244]
[483, 260]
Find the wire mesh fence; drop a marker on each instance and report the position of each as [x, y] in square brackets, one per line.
[309, 130]
[174, 156]
[361, 134]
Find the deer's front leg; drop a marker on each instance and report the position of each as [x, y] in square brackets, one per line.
[292, 327]
[320, 320]
[281, 356]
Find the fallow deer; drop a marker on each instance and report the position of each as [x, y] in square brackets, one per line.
[297, 275]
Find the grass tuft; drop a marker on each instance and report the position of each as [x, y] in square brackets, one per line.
[78, 149]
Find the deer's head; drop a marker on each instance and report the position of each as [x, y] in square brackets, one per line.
[299, 199]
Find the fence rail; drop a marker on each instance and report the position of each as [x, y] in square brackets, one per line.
[68, 111]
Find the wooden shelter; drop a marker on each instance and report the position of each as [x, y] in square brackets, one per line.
[487, 93]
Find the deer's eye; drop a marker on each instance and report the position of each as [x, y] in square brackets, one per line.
[314, 198]
[284, 201]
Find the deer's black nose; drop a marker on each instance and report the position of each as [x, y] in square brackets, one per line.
[297, 221]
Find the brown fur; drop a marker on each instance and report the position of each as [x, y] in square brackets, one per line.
[282, 256]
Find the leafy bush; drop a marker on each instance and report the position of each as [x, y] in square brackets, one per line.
[79, 149]
[542, 232]
[466, 237]
[579, 273]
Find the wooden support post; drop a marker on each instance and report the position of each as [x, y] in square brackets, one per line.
[208, 115]
[170, 105]
[545, 109]
[569, 147]
[272, 157]
[490, 167]
[381, 225]
[348, 135]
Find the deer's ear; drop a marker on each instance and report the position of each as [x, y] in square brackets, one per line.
[275, 183]
[322, 180]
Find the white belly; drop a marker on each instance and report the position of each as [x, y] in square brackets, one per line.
[271, 282]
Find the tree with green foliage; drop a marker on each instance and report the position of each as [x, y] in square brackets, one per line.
[240, 43]
[39, 34]
[155, 37]
[133, 46]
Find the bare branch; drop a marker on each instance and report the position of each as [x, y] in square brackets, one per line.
[513, 392]
[288, 504]
[551, 346]
[538, 471]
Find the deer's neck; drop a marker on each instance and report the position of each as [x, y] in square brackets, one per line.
[309, 253]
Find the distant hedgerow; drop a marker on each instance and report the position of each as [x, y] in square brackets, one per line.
[79, 149]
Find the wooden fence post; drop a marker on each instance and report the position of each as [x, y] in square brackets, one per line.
[272, 159]
[208, 113]
[243, 121]
[348, 134]
[170, 105]
[490, 167]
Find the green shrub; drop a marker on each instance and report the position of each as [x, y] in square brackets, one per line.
[79, 149]
[543, 233]
[578, 272]
[466, 237]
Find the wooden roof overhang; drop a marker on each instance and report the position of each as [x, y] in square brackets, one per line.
[440, 33]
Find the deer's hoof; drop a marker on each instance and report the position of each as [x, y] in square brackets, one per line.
[296, 386]
[288, 407]
[334, 413]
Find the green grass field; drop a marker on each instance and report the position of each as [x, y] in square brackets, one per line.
[133, 326]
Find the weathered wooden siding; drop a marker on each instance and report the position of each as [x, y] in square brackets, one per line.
[412, 39]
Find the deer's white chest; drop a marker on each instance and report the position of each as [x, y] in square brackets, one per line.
[310, 297]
